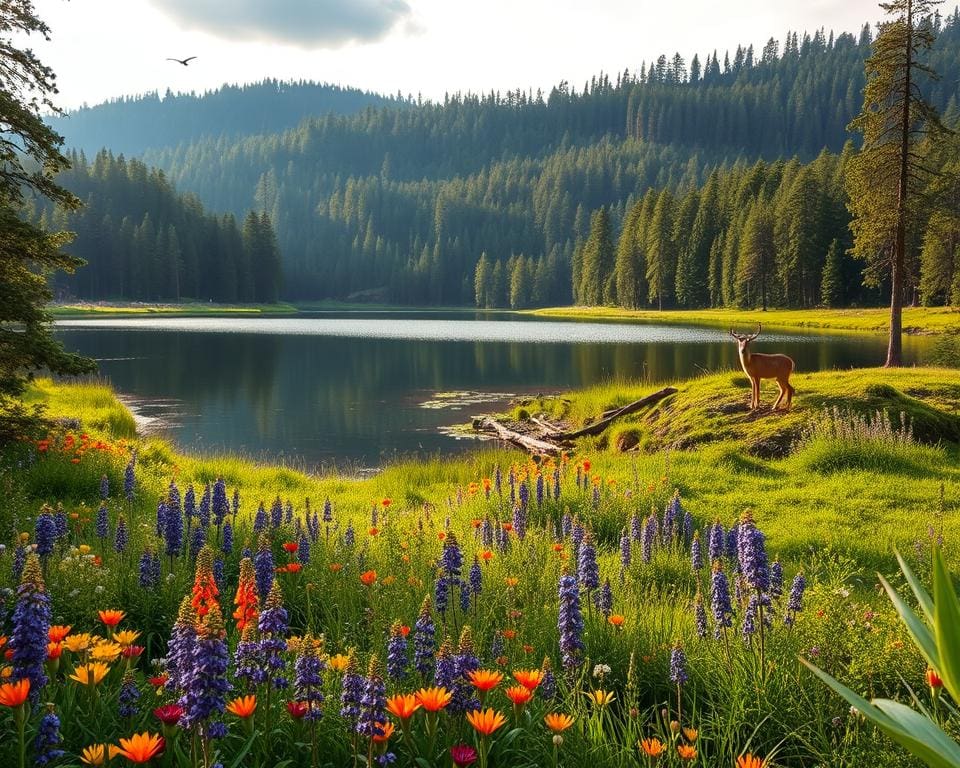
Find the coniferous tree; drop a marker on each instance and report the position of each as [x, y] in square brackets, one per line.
[659, 248]
[597, 276]
[831, 285]
[886, 177]
[481, 282]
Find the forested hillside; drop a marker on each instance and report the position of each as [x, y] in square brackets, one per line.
[400, 203]
[135, 124]
[142, 240]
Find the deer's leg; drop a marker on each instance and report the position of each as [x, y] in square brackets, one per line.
[783, 391]
[755, 394]
[790, 391]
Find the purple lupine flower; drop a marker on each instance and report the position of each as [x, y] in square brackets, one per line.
[486, 533]
[189, 506]
[540, 490]
[276, 513]
[373, 703]
[218, 573]
[128, 697]
[146, 569]
[464, 697]
[31, 625]
[476, 576]
[246, 658]
[716, 541]
[776, 580]
[625, 554]
[173, 530]
[603, 598]
[596, 496]
[636, 529]
[129, 478]
[263, 565]
[351, 693]
[498, 480]
[451, 561]
[161, 518]
[227, 544]
[588, 572]
[523, 494]
[576, 539]
[696, 556]
[155, 568]
[678, 666]
[272, 626]
[424, 633]
[104, 487]
[183, 638]
[445, 671]
[203, 511]
[260, 519]
[349, 536]
[749, 625]
[45, 533]
[441, 594]
[19, 559]
[173, 499]
[288, 512]
[197, 540]
[220, 504]
[795, 600]
[687, 525]
[720, 600]
[566, 524]
[465, 593]
[700, 617]
[397, 653]
[308, 676]
[649, 538]
[733, 537]
[520, 520]
[121, 537]
[547, 690]
[303, 549]
[46, 744]
[60, 522]
[752, 552]
[570, 622]
[496, 644]
[205, 683]
[102, 523]
[512, 482]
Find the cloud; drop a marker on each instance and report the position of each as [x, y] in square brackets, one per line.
[305, 23]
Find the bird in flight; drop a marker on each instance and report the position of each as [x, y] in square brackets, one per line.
[183, 61]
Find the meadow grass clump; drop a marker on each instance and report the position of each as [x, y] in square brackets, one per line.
[840, 441]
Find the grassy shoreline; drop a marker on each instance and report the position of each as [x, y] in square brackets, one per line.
[86, 309]
[916, 320]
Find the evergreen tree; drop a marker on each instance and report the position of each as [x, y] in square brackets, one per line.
[597, 284]
[659, 248]
[885, 179]
[831, 286]
[482, 277]
[755, 261]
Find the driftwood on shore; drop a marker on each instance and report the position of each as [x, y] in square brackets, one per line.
[546, 439]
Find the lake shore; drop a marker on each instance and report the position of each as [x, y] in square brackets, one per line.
[919, 321]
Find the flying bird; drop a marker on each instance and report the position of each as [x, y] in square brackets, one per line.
[183, 61]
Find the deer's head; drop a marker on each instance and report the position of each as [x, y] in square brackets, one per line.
[743, 340]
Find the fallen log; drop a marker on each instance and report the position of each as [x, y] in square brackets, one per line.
[548, 429]
[599, 426]
[526, 442]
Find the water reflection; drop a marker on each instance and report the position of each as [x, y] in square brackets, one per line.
[351, 388]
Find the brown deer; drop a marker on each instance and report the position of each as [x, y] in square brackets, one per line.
[758, 366]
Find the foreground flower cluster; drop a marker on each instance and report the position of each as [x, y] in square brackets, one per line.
[297, 633]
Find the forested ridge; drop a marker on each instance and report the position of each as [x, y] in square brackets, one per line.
[438, 203]
[130, 125]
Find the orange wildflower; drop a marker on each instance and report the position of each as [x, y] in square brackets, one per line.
[111, 617]
[205, 590]
[403, 705]
[243, 706]
[387, 731]
[616, 620]
[433, 699]
[367, 578]
[485, 721]
[511, 581]
[528, 678]
[14, 694]
[652, 747]
[246, 597]
[558, 722]
[749, 761]
[56, 633]
[140, 748]
[519, 694]
[686, 752]
[335, 567]
[485, 679]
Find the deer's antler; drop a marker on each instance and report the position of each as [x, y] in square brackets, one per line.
[734, 335]
[759, 328]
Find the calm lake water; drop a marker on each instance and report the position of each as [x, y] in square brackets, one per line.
[363, 388]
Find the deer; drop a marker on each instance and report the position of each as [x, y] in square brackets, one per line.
[759, 366]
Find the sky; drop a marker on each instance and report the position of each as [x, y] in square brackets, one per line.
[102, 49]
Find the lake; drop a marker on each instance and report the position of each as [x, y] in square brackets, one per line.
[362, 388]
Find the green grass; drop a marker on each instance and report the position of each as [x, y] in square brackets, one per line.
[916, 320]
[82, 309]
[834, 508]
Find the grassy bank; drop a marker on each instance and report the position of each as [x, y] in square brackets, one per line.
[916, 320]
[84, 309]
[832, 497]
